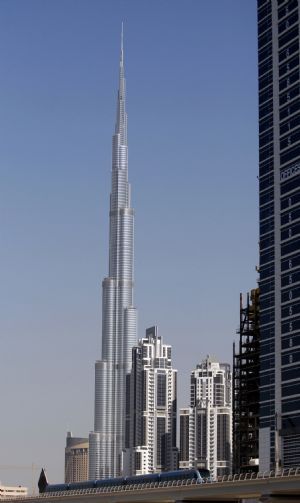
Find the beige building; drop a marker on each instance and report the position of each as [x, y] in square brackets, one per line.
[76, 459]
[7, 492]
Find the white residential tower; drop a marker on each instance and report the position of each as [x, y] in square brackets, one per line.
[151, 408]
[206, 426]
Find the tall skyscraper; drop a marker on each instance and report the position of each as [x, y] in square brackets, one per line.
[151, 408]
[76, 458]
[206, 426]
[279, 200]
[118, 314]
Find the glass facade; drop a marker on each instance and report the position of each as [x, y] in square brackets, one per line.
[119, 317]
[279, 196]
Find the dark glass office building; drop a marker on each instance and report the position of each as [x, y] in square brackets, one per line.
[279, 195]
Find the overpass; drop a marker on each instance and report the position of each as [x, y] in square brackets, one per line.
[283, 487]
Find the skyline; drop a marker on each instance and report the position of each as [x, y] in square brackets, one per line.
[77, 257]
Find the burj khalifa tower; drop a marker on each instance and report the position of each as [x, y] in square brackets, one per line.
[119, 317]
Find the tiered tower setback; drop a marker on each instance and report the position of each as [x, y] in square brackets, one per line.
[118, 314]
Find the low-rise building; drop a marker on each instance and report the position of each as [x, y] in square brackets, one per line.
[76, 459]
[8, 492]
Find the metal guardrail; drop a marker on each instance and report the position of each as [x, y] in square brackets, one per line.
[286, 472]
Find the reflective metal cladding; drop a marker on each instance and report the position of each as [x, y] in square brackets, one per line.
[119, 317]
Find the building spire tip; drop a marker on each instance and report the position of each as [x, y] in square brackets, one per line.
[122, 36]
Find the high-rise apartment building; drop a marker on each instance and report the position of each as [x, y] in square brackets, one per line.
[279, 200]
[76, 458]
[151, 408]
[118, 314]
[206, 426]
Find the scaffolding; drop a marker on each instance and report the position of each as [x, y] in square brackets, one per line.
[246, 387]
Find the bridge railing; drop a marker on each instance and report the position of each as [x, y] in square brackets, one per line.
[286, 472]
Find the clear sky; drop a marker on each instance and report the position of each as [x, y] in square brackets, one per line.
[191, 69]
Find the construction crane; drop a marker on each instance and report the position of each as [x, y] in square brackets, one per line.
[34, 468]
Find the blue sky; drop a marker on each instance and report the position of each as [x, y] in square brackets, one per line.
[191, 69]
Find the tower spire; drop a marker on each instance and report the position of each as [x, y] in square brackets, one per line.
[121, 121]
[122, 36]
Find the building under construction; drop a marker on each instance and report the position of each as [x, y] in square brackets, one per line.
[246, 387]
